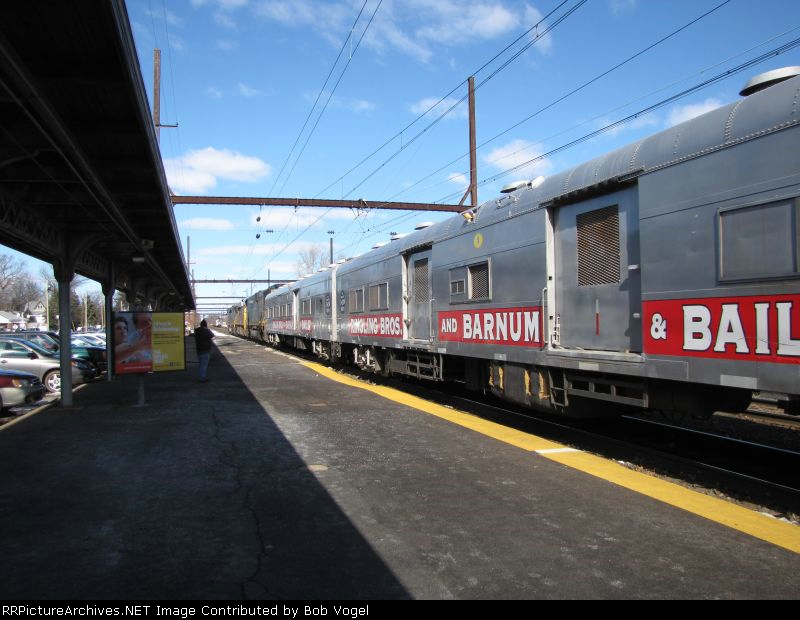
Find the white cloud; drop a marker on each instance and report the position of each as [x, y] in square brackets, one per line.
[517, 153]
[458, 179]
[214, 92]
[226, 45]
[457, 21]
[623, 6]
[207, 223]
[684, 113]
[412, 27]
[247, 91]
[544, 45]
[648, 120]
[227, 5]
[166, 15]
[225, 20]
[423, 105]
[198, 171]
[237, 250]
[279, 217]
[343, 103]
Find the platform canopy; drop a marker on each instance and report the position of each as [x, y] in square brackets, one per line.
[82, 184]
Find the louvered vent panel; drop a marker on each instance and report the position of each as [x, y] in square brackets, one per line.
[598, 247]
[479, 281]
[421, 294]
[374, 297]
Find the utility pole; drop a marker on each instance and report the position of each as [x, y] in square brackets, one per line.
[473, 149]
[157, 94]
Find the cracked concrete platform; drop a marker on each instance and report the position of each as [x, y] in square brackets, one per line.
[272, 482]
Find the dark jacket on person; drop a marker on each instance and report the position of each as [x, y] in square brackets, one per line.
[202, 339]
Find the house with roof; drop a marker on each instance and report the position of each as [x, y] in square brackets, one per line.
[10, 321]
[35, 314]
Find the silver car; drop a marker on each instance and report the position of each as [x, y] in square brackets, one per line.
[19, 388]
[17, 354]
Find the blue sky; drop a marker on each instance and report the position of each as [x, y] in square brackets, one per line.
[240, 77]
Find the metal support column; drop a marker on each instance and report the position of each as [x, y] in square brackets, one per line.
[65, 338]
[108, 293]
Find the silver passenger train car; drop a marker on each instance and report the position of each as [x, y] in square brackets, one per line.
[664, 275]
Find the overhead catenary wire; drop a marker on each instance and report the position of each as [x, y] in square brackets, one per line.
[516, 55]
[319, 96]
[330, 95]
[302, 130]
[302, 150]
[671, 99]
[505, 64]
[564, 97]
[444, 98]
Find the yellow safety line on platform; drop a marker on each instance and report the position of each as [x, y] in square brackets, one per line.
[526, 441]
[755, 524]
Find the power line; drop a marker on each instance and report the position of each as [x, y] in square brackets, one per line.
[435, 105]
[302, 150]
[330, 96]
[566, 95]
[725, 74]
[319, 95]
[517, 54]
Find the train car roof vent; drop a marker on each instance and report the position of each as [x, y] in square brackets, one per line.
[423, 225]
[513, 187]
[396, 236]
[380, 244]
[770, 78]
[536, 182]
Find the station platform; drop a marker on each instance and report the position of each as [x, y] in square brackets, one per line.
[274, 481]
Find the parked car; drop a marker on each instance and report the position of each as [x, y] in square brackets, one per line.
[88, 340]
[25, 356]
[19, 388]
[46, 340]
[49, 341]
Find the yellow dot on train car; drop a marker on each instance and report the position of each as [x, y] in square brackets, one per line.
[477, 240]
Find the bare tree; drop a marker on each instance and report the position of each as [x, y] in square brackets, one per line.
[10, 270]
[23, 290]
[312, 259]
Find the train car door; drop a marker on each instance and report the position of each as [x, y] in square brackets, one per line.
[598, 282]
[419, 295]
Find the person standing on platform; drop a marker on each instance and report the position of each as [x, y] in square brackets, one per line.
[202, 340]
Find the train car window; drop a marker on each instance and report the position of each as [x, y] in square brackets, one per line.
[458, 284]
[598, 247]
[356, 300]
[759, 241]
[320, 306]
[305, 307]
[379, 296]
[479, 281]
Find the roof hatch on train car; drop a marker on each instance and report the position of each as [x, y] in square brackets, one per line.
[767, 79]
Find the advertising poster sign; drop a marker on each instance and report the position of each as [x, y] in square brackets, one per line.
[148, 342]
